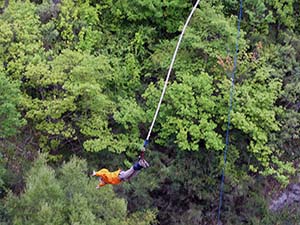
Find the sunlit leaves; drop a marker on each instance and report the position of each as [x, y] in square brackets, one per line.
[187, 114]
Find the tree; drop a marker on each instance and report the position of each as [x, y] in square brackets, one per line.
[75, 101]
[10, 117]
[68, 197]
[90, 74]
[195, 113]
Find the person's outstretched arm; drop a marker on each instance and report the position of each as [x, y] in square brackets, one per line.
[101, 182]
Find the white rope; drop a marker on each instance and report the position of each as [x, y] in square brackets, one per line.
[170, 69]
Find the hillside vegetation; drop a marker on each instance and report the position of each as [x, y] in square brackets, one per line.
[79, 85]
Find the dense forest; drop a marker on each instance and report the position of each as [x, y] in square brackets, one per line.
[79, 85]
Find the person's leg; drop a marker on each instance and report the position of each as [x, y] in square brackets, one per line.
[134, 170]
[126, 175]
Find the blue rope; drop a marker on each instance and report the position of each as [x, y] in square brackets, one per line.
[146, 143]
[229, 111]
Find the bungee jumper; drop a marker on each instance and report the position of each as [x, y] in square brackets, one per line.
[118, 176]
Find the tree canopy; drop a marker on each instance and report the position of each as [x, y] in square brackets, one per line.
[79, 83]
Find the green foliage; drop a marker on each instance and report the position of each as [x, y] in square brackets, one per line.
[72, 92]
[67, 197]
[68, 96]
[284, 10]
[187, 117]
[77, 25]
[2, 173]
[286, 61]
[195, 108]
[258, 18]
[254, 112]
[191, 197]
[87, 76]
[42, 199]
[288, 137]
[20, 37]
[10, 117]
[162, 14]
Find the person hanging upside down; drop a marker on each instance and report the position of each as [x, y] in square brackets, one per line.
[118, 176]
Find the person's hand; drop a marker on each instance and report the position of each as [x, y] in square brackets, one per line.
[94, 173]
[97, 187]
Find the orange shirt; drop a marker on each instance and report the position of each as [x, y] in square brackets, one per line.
[108, 177]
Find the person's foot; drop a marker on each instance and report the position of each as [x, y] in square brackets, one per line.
[143, 163]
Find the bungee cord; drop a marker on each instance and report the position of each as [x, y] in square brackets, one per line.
[169, 73]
